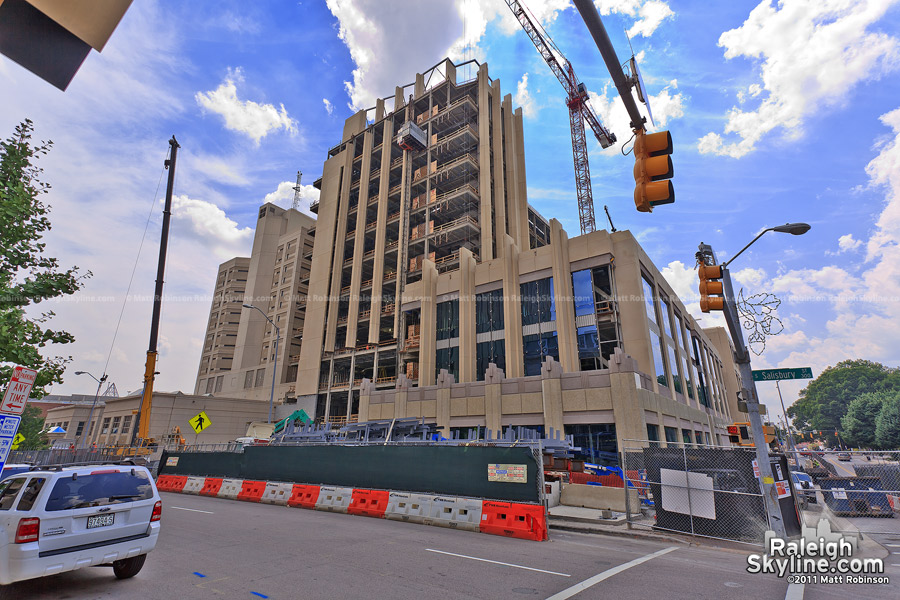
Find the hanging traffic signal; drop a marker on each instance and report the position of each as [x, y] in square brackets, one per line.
[652, 169]
[734, 436]
[712, 295]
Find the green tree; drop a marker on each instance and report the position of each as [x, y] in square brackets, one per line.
[887, 424]
[28, 277]
[858, 424]
[824, 402]
[31, 427]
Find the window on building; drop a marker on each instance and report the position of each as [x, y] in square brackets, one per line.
[489, 352]
[219, 381]
[698, 437]
[597, 442]
[538, 305]
[80, 429]
[653, 434]
[676, 379]
[447, 358]
[105, 429]
[489, 311]
[666, 319]
[538, 324]
[686, 436]
[536, 348]
[671, 435]
[648, 299]
[209, 384]
[260, 377]
[115, 425]
[248, 380]
[659, 365]
[702, 393]
[91, 428]
[447, 320]
[126, 424]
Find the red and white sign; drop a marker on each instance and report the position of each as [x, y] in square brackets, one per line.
[756, 469]
[18, 390]
[783, 490]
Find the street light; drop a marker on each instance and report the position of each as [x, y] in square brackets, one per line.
[742, 359]
[97, 395]
[275, 361]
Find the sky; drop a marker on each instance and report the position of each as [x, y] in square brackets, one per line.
[779, 112]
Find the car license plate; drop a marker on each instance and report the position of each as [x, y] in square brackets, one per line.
[100, 521]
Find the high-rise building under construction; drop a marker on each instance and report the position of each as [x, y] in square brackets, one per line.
[436, 291]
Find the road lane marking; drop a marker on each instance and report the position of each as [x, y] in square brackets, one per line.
[794, 591]
[497, 562]
[893, 545]
[192, 509]
[580, 587]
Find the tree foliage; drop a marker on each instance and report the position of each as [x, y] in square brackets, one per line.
[858, 425]
[27, 276]
[887, 424]
[31, 427]
[824, 402]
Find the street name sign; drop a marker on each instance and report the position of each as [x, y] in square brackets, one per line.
[18, 390]
[782, 374]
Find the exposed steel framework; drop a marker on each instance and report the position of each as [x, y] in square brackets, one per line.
[579, 111]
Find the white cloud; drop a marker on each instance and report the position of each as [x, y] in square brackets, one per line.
[523, 98]
[611, 112]
[210, 226]
[846, 243]
[284, 196]
[329, 107]
[244, 116]
[650, 13]
[811, 56]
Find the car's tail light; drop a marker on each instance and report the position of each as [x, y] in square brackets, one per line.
[157, 511]
[28, 530]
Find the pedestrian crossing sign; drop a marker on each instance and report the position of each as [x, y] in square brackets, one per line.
[17, 440]
[200, 422]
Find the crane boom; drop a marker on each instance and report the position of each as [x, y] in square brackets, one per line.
[579, 111]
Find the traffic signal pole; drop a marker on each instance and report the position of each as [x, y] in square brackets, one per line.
[742, 359]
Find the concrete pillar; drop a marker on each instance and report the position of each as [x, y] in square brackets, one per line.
[399, 100]
[520, 200]
[512, 310]
[551, 392]
[402, 391]
[484, 172]
[562, 294]
[419, 89]
[628, 410]
[493, 413]
[467, 352]
[359, 239]
[378, 266]
[442, 412]
[365, 393]
[428, 321]
[379, 109]
[450, 71]
[498, 197]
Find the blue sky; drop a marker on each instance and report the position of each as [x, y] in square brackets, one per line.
[779, 112]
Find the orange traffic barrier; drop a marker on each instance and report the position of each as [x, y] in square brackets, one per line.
[171, 483]
[211, 486]
[252, 491]
[304, 496]
[605, 480]
[368, 503]
[510, 519]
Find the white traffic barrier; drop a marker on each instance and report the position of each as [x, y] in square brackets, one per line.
[193, 485]
[403, 506]
[230, 488]
[277, 493]
[334, 499]
[456, 513]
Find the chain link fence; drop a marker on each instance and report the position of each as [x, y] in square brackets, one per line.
[698, 490]
[857, 491]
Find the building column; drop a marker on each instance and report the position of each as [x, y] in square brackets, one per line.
[493, 412]
[499, 194]
[628, 410]
[359, 241]
[402, 391]
[512, 311]
[337, 264]
[486, 251]
[467, 349]
[365, 394]
[428, 321]
[551, 392]
[562, 295]
[442, 412]
[520, 200]
[380, 233]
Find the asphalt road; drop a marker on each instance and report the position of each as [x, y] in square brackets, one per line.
[216, 548]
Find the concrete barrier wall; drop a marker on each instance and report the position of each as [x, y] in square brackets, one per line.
[599, 497]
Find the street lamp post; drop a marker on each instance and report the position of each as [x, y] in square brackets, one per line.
[275, 361]
[742, 359]
[96, 396]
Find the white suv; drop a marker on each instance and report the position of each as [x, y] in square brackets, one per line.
[56, 519]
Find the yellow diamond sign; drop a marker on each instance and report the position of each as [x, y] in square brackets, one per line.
[200, 422]
[17, 440]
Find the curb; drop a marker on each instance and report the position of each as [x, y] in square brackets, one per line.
[576, 527]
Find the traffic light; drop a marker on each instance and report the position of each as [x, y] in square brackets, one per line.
[734, 435]
[652, 169]
[739, 434]
[712, 294]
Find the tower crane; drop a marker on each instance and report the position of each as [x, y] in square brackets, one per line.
[579, 111]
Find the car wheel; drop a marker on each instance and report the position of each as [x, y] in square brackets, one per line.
[128, 567]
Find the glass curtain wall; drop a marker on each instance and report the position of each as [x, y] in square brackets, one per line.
[490, 346]
[659, 364]
[538, 324]
[447, 336]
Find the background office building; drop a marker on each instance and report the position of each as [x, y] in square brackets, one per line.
[435, 290]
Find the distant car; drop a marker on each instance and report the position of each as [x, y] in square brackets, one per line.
[843, 456]
[803, 483]
[61, 519]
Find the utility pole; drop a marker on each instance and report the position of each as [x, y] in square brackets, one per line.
[787, 425]
[742, 359]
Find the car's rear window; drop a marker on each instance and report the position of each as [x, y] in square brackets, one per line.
[99, 489]
[26, 502]
[9, 489]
